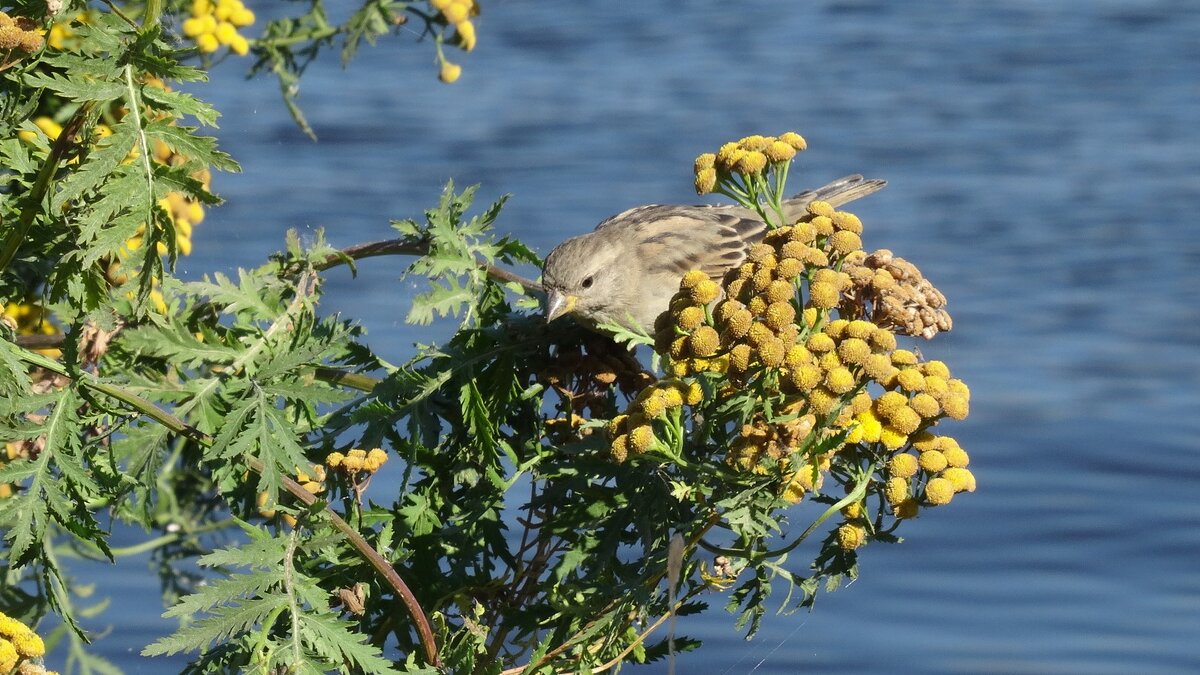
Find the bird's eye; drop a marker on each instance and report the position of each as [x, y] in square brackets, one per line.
[587, 283]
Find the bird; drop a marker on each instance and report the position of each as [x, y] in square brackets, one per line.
[627, 269]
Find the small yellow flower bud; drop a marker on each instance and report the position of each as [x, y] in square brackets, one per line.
[925, 405]
[616, 426]
[877, 366]
[456, 13]
[705, 161]
[239, 45]
[706, 181]
[854, 351]
[883, 341]
[962, 479]
[794, 139]
[207, 43]
[754, 143]
[936, 368]
[788, 269]
[821, 401]
[225, 32]
[466, 35]
[678, 348]
[904, 419]
[871, 426]
[932, 461]
[895, 490]
[705, 292]
[903, 357]
[761, 279]
[839, 380]
[377, 456]
[924, 441]
[819, 343]
[796, 356]
[780, 291]
[739, 323]
[956, 407]
[449, 72]
[910, 380]
[823, 295]
[241, 17]
[689, 318]
[853, 510]
[847, 222]
[620, 448]
[779, 151]
[939, 491]
[728, 155]
[779, 314]
[771, 353]
[640, 439]
[759, 334]
[906, 509]
[902, 465]
[845, 241]
[794, 250]
[740, 357]
[892, 438]
[888, 402]
[805, 377]
[751, 163]
[703, 341]
[194, 27]
[694, 395]
[959, 387]
[851, 536]
[861, 402]
[820, 208]
[653, 406]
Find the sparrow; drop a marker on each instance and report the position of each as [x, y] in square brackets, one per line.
[627, 269]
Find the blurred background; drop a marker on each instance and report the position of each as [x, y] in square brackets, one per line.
[1044, 169]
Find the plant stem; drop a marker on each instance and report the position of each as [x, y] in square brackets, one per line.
[377, 561]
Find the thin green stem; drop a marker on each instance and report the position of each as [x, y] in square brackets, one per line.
[145, 407]
[151, 15]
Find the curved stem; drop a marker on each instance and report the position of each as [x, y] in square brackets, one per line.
[176, 425]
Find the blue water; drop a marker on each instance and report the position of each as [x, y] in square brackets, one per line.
[1044, 168]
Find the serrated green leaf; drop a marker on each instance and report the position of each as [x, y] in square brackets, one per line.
[76, 91]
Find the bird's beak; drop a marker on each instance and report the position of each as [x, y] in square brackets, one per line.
[558, 304]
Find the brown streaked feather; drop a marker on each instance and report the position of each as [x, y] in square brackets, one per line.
[715, 239]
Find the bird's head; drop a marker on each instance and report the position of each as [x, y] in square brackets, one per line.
[587, 277]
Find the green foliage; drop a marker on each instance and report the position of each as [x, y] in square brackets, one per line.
[219, 417]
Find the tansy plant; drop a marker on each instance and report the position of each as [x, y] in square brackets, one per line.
[518, 498]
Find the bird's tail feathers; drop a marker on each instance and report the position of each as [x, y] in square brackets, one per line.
[841, 191]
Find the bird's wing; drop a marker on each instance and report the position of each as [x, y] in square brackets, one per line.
[677, 239]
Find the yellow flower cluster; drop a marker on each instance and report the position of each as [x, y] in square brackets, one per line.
[633, 433]
[312, 480]
[686, 334]
[940, 463]
[215, 23]
[357, 461]
[19, 37]
[456, 13]
[749, 157]
[17, 642]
